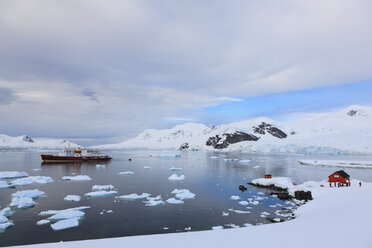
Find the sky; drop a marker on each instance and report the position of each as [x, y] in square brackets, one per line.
[103, 71]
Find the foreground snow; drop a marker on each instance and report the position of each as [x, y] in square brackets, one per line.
[319, 223]
[338, 163]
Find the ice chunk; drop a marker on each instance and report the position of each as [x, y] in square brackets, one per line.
[30, 180]
[241, 212]
[67, 215]
[33, 193]
[103, 187]
[109, 211]
[235, 197]
[213, 157]
[3, 219]
[74, 198]
[153, 202]
[102, 193]
[42, 222]
[22, 202]
[132, 197]
[247, 224]
[100, 166]
[4, 185]
[64, 224]
[6, 212]
[225, 214]
[12, 174]
[229, 159]
[232, 225]
[277, 219]
[175, 169]
[175, 177]
[188, 228]
[245, 161]
[5, 225]
[126, 173]
[217, 227]
[77, 178]
[147, 167]
[243, 203]
[51, 212]
[174, 201]
[183, 194]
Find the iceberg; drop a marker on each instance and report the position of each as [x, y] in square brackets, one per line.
[175, 177]
[183, 194]
[102, 193]
[77, 178]
[74, 198]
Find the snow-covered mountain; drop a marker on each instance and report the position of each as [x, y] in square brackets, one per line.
[345, 132]
[26, 142]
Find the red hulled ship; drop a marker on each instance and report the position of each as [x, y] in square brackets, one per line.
[69, 155]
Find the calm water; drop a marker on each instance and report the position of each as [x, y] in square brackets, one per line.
[213, 181]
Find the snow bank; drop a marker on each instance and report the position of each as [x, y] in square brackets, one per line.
[103, 187]
[12, 174]
[133, 196]
[74, 198]
[280, 182]
[102, 193]
[175, 177]
[183, 194]
[338, 163]
[29, 180]
[77, 178]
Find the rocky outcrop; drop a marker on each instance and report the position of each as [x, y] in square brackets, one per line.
[184, 147]
[223, 141]
[352, 112]
[27, 139]
[274, 131]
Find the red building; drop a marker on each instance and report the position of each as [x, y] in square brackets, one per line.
[339, 177]
[267, 176]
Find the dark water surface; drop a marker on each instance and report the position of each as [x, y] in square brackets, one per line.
[213, 181]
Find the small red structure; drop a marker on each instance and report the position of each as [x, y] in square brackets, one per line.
[267, 176]
[339, 177]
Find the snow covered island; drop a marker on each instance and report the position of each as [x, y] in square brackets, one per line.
[348, 131]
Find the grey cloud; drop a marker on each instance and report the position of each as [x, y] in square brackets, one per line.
[7, 96]
[91, 94]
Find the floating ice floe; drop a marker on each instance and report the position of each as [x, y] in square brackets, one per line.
[277, 219]
[213, 157]
[174, 201]
[6, 212]
[217, 227]
[188, 228]
[175, 169]
[77, 178]
[230, 159]
[106, 211]
[67, 215]
[240, 211]
[33, 193]
[29, 180]
[42, 222]
[132, 197]
[74, 198]
[101, 193]
[154, 201]
[100, 166]
[37, 169]
[126, 173]
[103, 187]
[183, 194]
[3, 219]
[243, 203]
[147, 167]
[12, 174]
[225, 214]
[245, 161]
[4, 185]
[235, 197]
[175, 177]
[22, 202]
[53, 212]
[65, 224]
[5, 225]
[257, 166]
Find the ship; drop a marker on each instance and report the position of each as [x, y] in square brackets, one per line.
[70, 155]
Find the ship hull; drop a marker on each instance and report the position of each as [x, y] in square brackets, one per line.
[72, 159]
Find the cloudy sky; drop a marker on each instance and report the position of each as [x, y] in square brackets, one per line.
[103, 69]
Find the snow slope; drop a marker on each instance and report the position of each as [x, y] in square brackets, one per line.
[344, 132]
[24, 141]
[337, 217]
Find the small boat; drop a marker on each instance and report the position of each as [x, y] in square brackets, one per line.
[70, 155]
